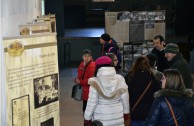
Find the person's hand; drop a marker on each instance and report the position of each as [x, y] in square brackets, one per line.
[127, 120]
[87, 122]
[76, 80]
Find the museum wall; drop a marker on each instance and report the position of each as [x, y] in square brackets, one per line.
[95, 10]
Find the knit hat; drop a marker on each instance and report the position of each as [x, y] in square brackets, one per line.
[171, 48]
[105, 37]
[87, 51]
[103, 60]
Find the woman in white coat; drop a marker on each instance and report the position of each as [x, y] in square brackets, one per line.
[108, 96]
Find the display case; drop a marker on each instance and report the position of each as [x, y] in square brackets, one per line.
[131, 51]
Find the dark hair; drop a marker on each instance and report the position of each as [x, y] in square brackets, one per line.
[86, 51]
[141, 63]
[161, 38]
[174, 79]
[111, 55]
[105, 37]
[152, 59]
[96, 123]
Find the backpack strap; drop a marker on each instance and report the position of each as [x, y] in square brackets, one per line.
[85, 69]
[110, 49]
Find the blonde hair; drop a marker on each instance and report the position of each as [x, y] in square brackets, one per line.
[174, 80]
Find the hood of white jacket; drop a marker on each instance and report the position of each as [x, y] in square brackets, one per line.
[109, 82]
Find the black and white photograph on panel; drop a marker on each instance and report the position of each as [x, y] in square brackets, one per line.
[45, 90]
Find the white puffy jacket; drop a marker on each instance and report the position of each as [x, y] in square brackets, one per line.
[108, 98]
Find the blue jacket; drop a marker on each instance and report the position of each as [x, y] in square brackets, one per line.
[181, 102]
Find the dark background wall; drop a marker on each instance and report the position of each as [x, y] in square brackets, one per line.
[56, 7]
[93, 14]
[85, 13]
[184, 17]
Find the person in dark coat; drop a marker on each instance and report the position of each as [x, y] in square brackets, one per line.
[177, 61]
[158, 51]
[138, 79]
[153, 61]
[180, 100]
[109, 45]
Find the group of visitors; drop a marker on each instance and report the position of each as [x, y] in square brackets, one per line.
[156, 91]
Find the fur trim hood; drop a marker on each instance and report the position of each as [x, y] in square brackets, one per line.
[172, 93]
[108, 84]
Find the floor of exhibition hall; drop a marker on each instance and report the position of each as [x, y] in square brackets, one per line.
[70, 110]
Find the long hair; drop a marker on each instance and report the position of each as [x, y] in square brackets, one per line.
[111, 55]
[174, 80]
[141, 64]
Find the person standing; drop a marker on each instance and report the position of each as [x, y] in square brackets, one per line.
[173, 99]
[153, 61]
[109, 45]
[141, 85]
[158, 51]
[175, 58]
[108, 97]
[86, 70]
[114, 61]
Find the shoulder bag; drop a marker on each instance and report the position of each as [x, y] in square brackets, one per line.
[137, 102]
[77, 88]
[172, 112]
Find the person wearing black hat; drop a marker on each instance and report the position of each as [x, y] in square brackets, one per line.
[178, 62]
[153, 61]
[109, 45]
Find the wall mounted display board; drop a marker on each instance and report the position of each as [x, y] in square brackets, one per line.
[135, 26]
[37, 28]
[49, 18]
[32, 80]
[130, 52]
[117, 25]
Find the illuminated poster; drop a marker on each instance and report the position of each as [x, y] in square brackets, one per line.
[32, 90]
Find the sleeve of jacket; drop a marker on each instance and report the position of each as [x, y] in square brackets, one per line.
[91, 104]
[88, 73]
[79, 70]
[153, 115]
[125, 97]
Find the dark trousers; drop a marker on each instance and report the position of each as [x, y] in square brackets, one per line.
[84, 105]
